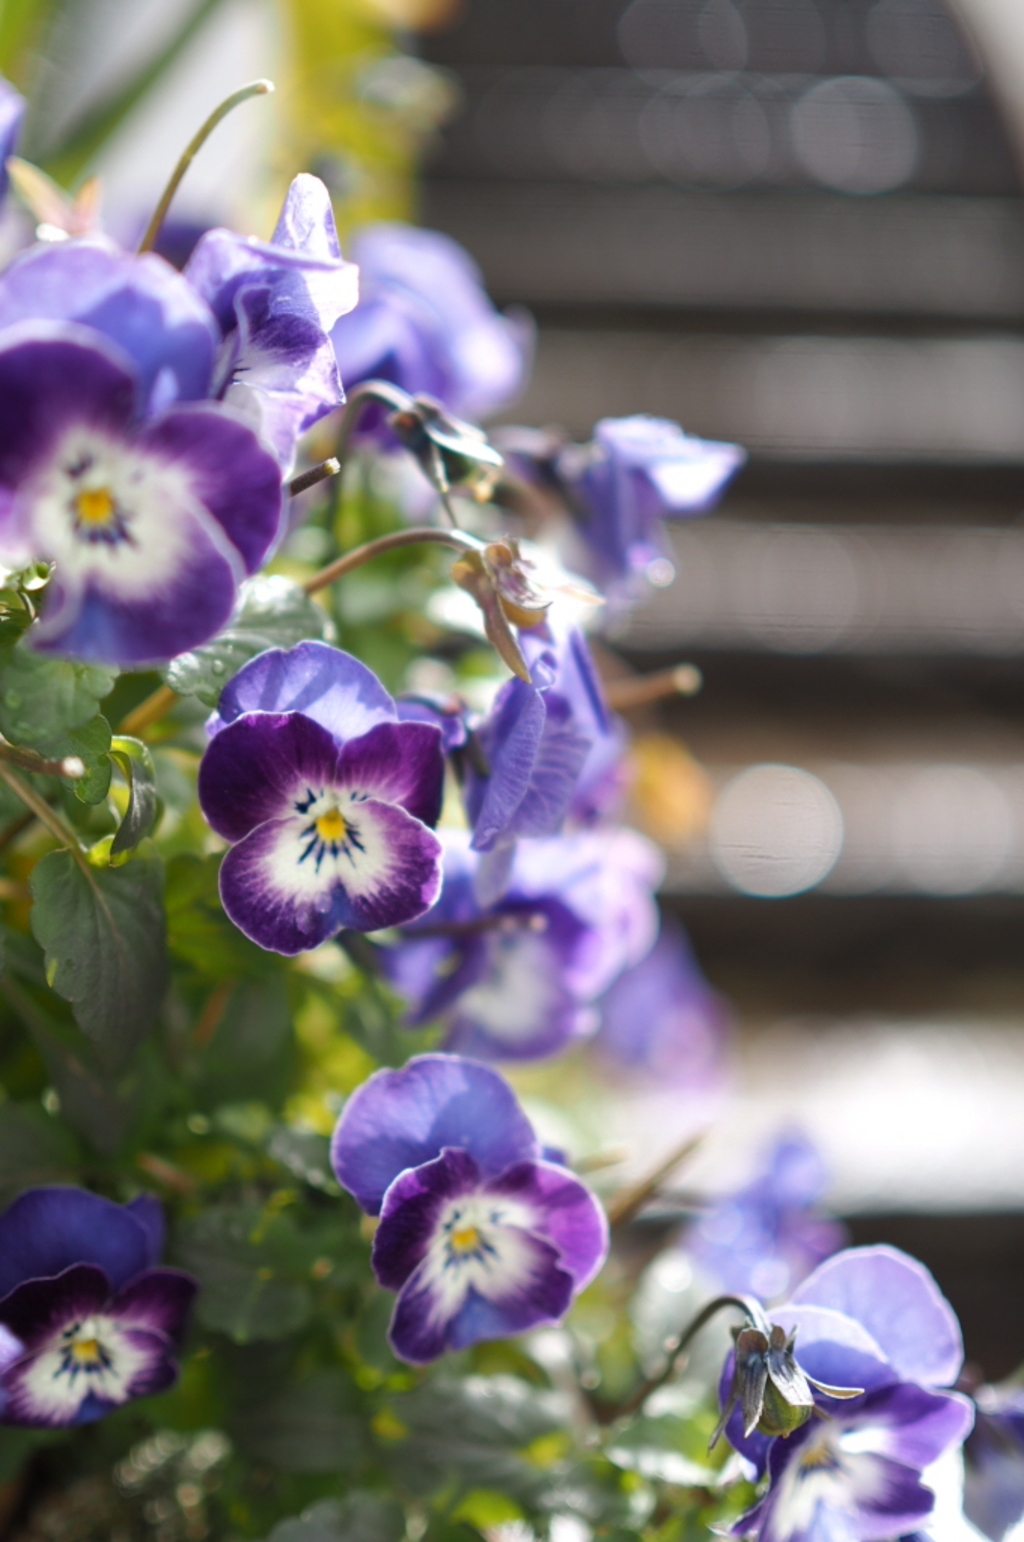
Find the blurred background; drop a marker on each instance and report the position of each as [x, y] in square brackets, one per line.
[792, 223]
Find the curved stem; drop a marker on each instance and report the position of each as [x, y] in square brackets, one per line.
[685, 1339]
[191, 150]
[416, 535]
[149, 711]
[46, 815]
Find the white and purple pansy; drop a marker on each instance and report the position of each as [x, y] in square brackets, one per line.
[871, 1318]
[87, 1322]
[479, 1234]
[326, 798]
[275, 302]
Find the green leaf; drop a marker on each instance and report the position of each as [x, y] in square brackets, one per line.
[34, 1148]
[42, 699]
[665, 1447]
[246, 1286]
[359, 1517]
[103, 936]
[312, 1426]
[91, 743]
[199, 934]
[272, 612]
[135, 764]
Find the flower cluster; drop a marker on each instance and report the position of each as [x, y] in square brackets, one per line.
[149, 418]
[87, 1322]
[479, 1235]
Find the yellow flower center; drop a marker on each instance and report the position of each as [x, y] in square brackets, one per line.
[466, 1239]
[95, 506]
[331, 826]
[87, 1352]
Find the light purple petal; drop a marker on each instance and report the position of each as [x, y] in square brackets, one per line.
[834, 1348]
[12, 111]
[899, 1303]
[324, 683]
[399, 763]
[139, 303]
[47, 1230]
[565, 1213]
[410, 1211]
[400, 1119]
[229, 471]
[511, 739]
[288, 893]
[260, 767]
[910, 1424]
[306, 222]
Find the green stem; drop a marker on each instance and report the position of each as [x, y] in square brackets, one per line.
[416, 535]
[195, 144]
[703, 1317]
[47, 816]
[70, 766]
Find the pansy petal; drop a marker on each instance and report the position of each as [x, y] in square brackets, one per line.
[257, 767]
[388, 872]
[323, 683]
[399, 763]
[511, 742]
[833, 1348]
[900, 1305]
[37, 1309]
[400, 1119]
[47, 1230]
[910, 1424]
[525, 1289]
[44, 1391]
[141, 304]
[565, 1213]
[409, 1214]
[157, 1302]
[12, 111]
[230, 473]
[859, 1498]
[148, 1210]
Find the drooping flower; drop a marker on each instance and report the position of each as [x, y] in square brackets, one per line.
[768, 1236]
[517, 979]
[87, 1322]
[326, 798]
[663, 1022]
[151, 521]
[479, 1235]
[276, 302]
[536, 743]
[425, 324]
[869, 1318]
[994, 1461]
[12, 111]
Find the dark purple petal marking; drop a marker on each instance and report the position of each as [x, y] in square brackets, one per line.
[400, 1119]
[324, 683]
[399, 763]
[229, 472]
[156, 1302]
[264, 766]
[47, 1230]
[565, 1213]
[90, 1367]
[38, 1309]
[292, 883]
[411, 1213]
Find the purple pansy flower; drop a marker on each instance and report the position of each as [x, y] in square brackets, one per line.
[635, 472]
[662, 1021]
[425, 324]
[994, 1461]
[516, 980]
[151, 522]
[87, 1322]
[276, 303]
[12, 111]
[766, 1237]
[479, 1234]
[325, 797]
[869, 1318]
